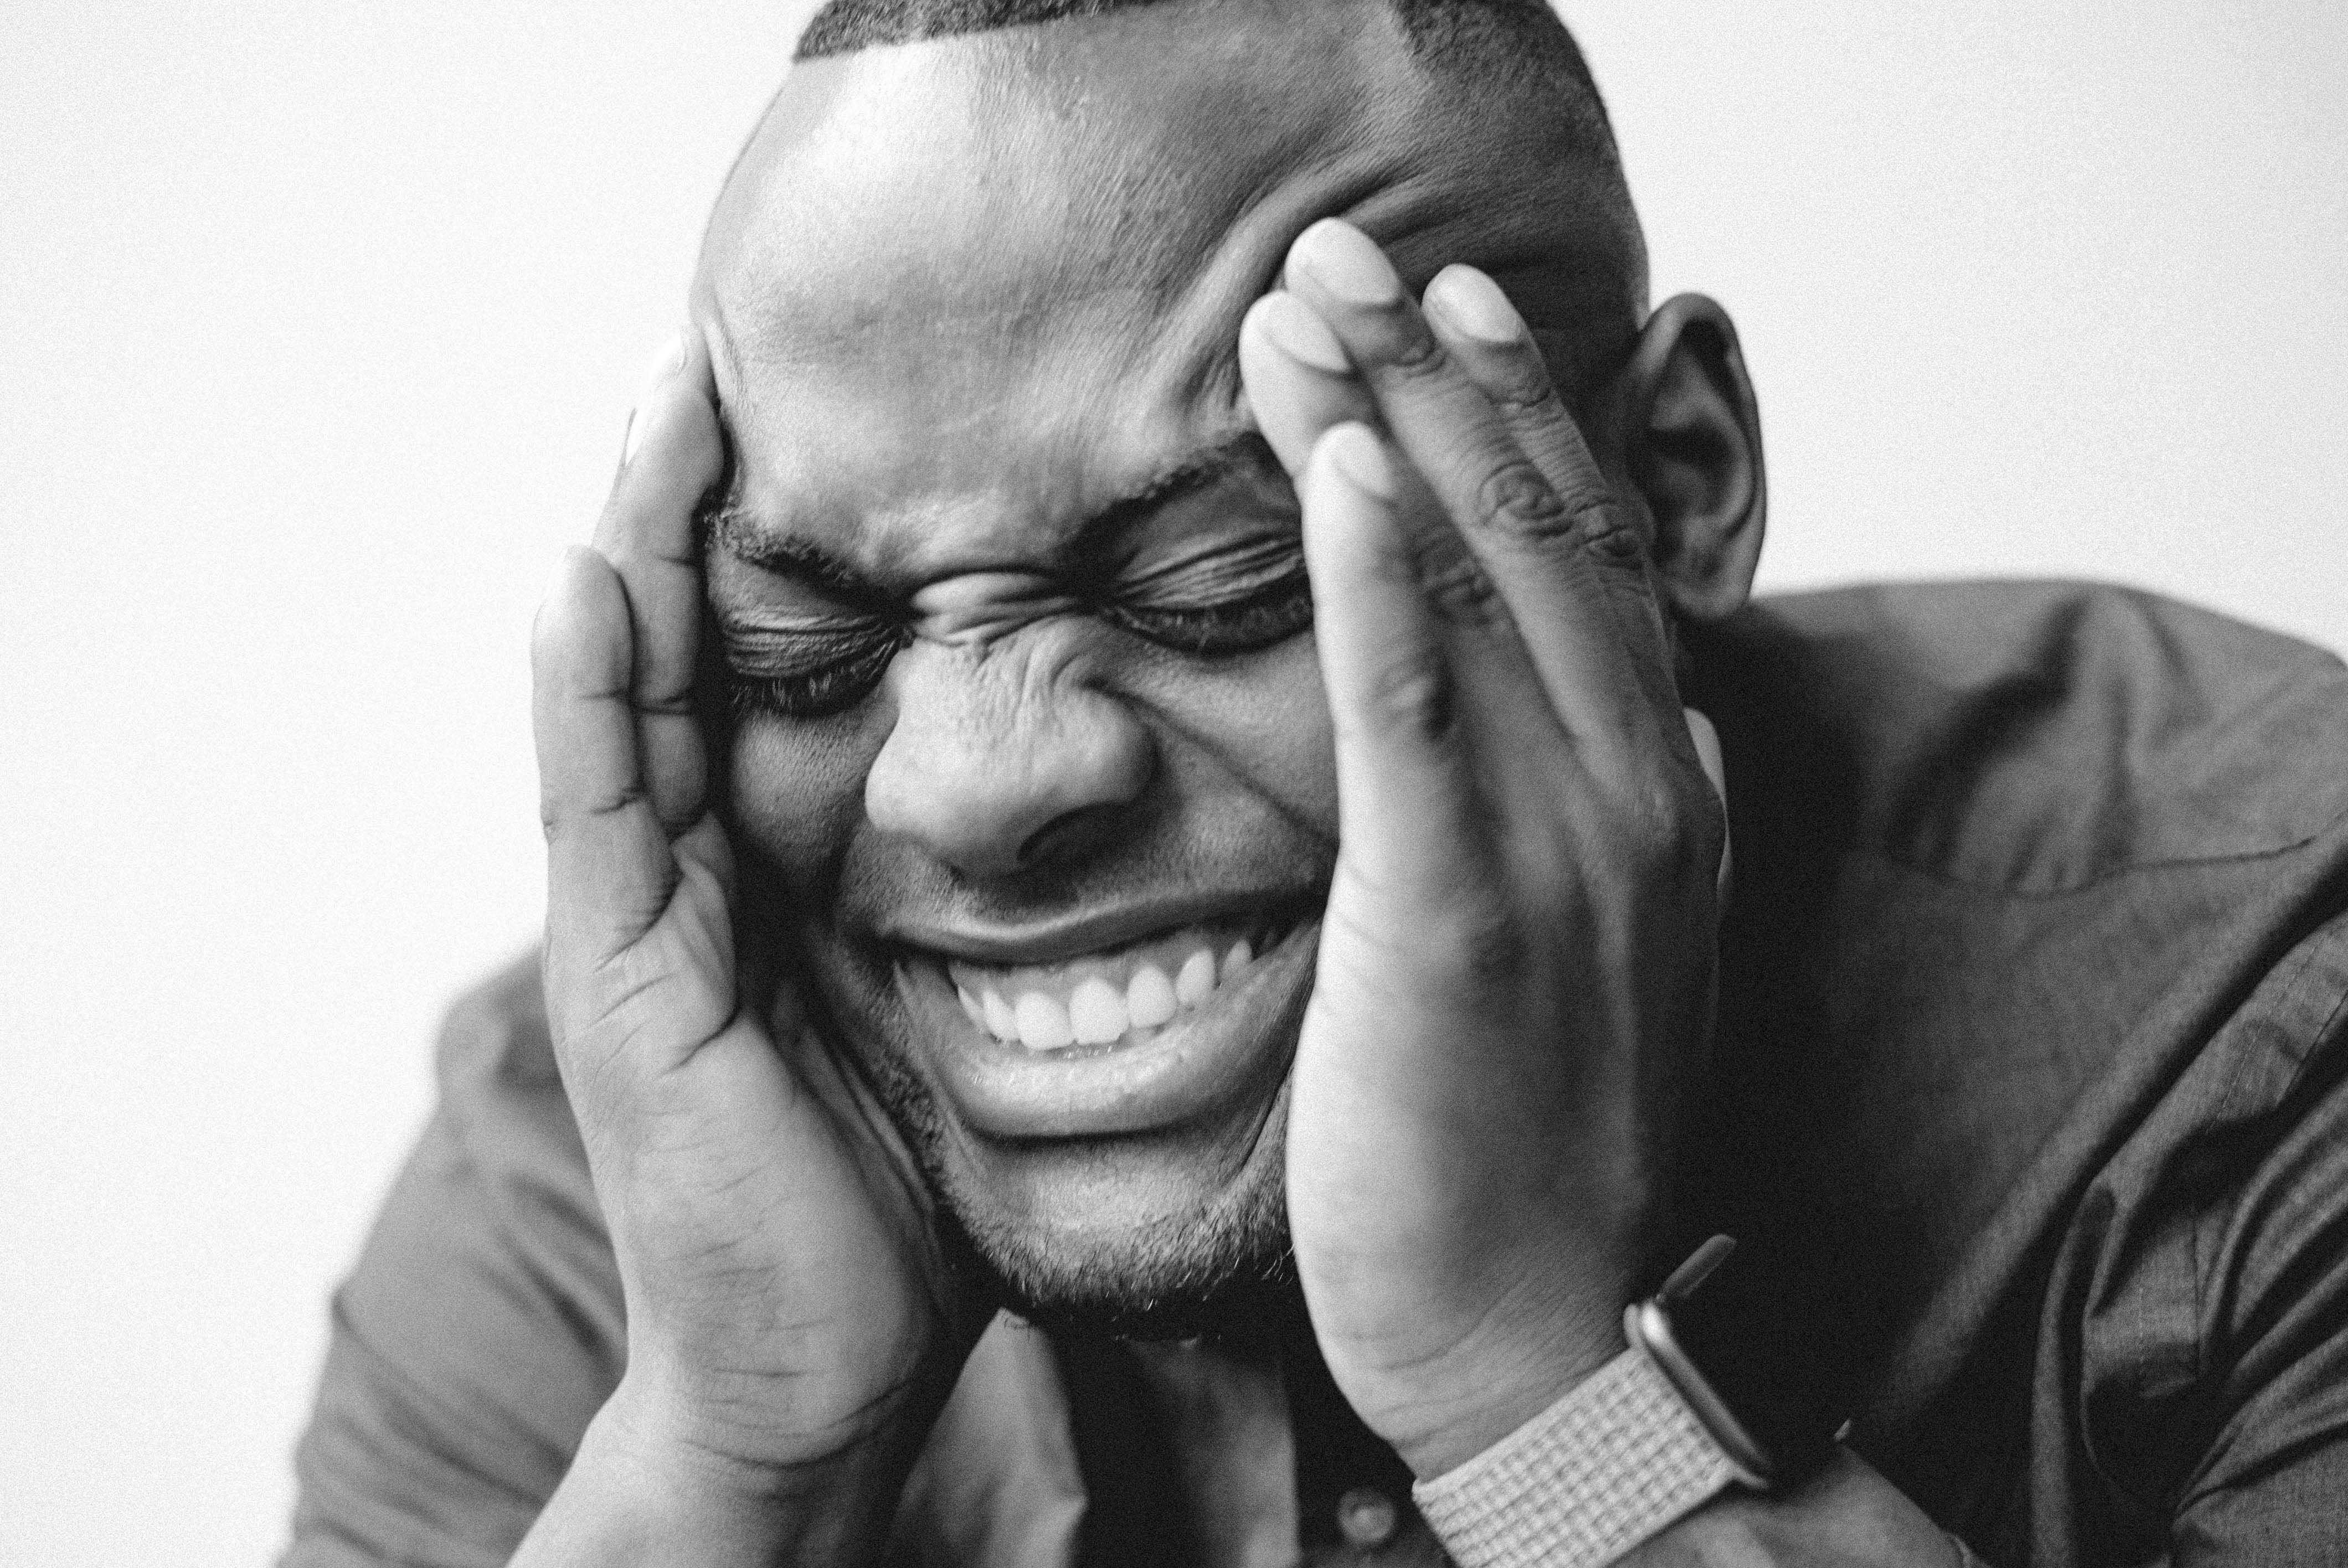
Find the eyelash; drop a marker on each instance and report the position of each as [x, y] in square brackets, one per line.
[1256, 619]
[814, 694]
[1271, 614]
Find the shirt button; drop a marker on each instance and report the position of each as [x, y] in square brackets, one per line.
[1367, 1517]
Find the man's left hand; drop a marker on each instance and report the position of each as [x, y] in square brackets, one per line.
[1517, 964]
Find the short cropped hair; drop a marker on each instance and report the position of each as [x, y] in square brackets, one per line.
[1512, 34]
[1440, 31]
[1483, 47]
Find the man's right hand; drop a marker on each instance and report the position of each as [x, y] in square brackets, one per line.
[792, 1321]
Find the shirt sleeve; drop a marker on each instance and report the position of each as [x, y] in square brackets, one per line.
[2213, 1318]
[2270, 1486]
[481, 1329]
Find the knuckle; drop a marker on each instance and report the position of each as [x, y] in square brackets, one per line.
[1527, 396]
[1607, 531]
[1455, 583]
[557, 818]
[1409, 352]
[1671, 832]
[1413, 697]
[1480, 944]
[1514, 500]
[1650, 829]
[1517, 501]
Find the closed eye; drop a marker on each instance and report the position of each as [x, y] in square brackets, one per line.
[1231, 600]
[805, 674]
[1236, 600]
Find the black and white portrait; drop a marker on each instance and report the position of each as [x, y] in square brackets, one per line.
[1224, 783]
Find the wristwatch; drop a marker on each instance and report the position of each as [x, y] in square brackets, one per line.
[1748, 1367]
[1724, 1382]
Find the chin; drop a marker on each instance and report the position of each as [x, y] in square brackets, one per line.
[1165, 1226]
[1219, 1266]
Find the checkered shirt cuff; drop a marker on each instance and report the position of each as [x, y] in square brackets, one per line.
[1611, 1464]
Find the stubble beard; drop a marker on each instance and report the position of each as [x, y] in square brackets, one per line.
[1222, 1269]
[1223, 1272]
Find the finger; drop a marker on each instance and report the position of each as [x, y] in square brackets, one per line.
[1472, 318]
[672, 455]
[1298, 380]
[1395, 703]
[1565, 569]
[1301, 384]
[610, 871]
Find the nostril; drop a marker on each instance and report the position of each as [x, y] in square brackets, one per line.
[992, 775]
[1072, 835]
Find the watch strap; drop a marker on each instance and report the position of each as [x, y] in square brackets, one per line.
[1616, 1460]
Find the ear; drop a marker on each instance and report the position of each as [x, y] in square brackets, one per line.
[1691, 436]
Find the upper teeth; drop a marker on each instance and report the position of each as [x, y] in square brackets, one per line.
[1091, 1006]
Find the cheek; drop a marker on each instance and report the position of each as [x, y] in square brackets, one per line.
[797, 794]
[798, 789]
[1265, 720]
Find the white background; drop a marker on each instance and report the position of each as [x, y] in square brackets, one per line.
[318, 323]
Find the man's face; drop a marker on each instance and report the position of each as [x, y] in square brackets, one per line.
[1034, 748]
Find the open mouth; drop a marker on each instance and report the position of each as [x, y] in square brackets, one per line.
[1137, 1032]
[1117, 995]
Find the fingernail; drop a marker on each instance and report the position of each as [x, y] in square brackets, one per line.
[665, 362]
[1297, 330]
[1347, 262]
[1474, 303]
[566, 568]
[666, 359]
[1355, 451]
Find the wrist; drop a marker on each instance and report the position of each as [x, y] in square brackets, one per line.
[690, 1501]
[1649, 1440]
[1502, 1389]
[1615, 1460]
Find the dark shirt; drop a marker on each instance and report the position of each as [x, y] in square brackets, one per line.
[2029, 1073]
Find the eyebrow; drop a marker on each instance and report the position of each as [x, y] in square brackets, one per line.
[728, 524]
[1237, 453]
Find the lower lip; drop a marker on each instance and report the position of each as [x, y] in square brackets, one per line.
[1204, 1060]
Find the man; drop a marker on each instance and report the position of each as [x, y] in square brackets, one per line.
[1143, 744]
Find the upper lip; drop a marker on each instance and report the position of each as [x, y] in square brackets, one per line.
[1072, 935]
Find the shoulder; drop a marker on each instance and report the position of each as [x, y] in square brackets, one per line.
[2038, 908]
[2194, 1316]
[2036, 737]
[507, 1119]
[482, 1324]
[495, 1032]
[502, 1099]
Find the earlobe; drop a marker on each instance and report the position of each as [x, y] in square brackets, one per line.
[1692, 441]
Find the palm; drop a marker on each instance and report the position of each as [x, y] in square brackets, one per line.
[782, 1280]
[1423, 1133]
[1517, 961]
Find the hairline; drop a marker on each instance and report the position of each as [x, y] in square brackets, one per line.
[1428, 28]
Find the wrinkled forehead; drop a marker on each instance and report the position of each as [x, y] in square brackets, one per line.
[1007, 247]
[994, 182]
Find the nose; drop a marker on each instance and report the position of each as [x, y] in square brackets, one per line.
[994, 768]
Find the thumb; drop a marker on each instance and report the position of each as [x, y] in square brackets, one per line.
[616, 939]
